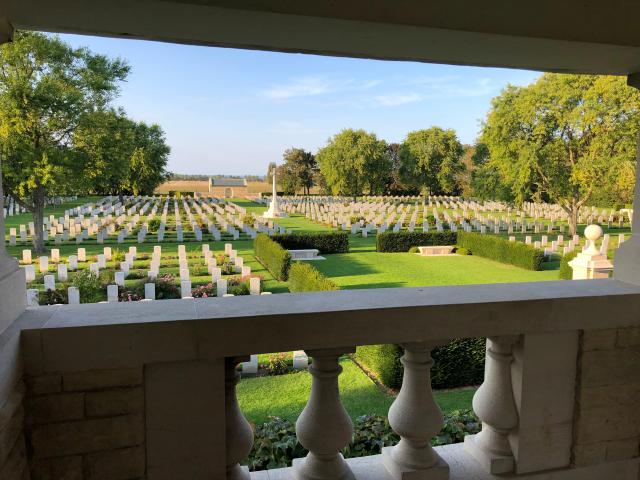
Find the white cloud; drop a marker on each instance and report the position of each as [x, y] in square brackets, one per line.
[305, 87]
[395, 99]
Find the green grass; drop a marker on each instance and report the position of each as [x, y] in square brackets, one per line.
[296, 223]
[288, 394]
[363, 267]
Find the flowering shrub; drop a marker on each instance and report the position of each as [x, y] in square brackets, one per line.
[277, 364]
[166, 287]
[53, 297]
[204, 291]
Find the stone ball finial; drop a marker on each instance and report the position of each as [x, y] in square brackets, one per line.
[593, 232]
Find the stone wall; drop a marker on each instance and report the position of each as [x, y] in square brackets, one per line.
[86, 425]
[13, 459]
[608, 397]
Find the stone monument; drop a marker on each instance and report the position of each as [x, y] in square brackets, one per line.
[591, 263]
[274, 211]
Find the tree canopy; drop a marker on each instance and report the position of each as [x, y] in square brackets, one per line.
[431, 161]
[564, 139]
[355, 161]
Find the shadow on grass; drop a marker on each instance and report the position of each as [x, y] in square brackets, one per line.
[343, 265]
[360, 286]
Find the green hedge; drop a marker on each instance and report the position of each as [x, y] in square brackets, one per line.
[403, 241]
[331, 242]
[458, 364]
[304, 277]
[501, 250]
[271, 254]
[566, 272]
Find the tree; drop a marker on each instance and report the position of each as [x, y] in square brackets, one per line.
[395, 185]
[301, 165]
[561, 138]
[485, 179]
[148, 159]
[106, 139]
[354, 160]
[431, 161]
[287, 179]
[47, 89]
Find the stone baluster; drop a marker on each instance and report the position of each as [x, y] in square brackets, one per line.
[494, 404]
[238, 433]
[416, 418]
[324, 427]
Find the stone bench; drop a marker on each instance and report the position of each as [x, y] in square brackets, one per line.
[306, 254]
[436, 250]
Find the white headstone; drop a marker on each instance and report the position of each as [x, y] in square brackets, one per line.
[49, 282]
[44, 264]
[254, 286]
[74, 295]
[32, 297]
[112, 293]
[62, 272]
[119, 278]
[73, 262]
[221, 287]
[26, 256]
[82, 255]
[29, 273]
[55, 255]
[185, 288]
[150, 291]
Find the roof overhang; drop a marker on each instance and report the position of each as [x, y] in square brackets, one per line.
[586, 36]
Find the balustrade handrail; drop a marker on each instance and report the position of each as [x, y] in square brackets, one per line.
[215, 328]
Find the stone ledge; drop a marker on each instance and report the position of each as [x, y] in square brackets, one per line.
[464, 467]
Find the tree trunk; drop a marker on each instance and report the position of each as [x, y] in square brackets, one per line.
[38, 218]
[573, 219]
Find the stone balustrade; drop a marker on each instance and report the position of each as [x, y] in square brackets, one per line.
[153, 384]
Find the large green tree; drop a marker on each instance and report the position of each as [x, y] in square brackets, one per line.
[107, 141]
[47, 89]
[149, 159]
[564, 138]
[355, 161]
[431, 161]
[300, 168]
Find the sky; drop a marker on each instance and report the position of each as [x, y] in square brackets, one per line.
[231, 112]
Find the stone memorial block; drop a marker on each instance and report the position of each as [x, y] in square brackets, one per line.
[250, 367]
[62, 272]
[32, 297]
[152, 275]
[536, 244]
[29, 273]
[119, 278]
[74, 296]
[150, 291]
[512, 238]
[73, 262]
[245, 272]
[527, 239]
[49, 282]
[221, 287]
[101, 260]
[184, 274]
[108, 255]
[112, 293]
[94, 267]
[205, 248]
[26, 257]
[124, 267]
[300, 360]
[227, 248]
[216, 274]
[44, 264]
[544, 240]
[185, 289]
[254, 286]
[82, 255]
[157, 250]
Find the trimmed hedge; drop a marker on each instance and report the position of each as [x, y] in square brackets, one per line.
[271, 254]
[304, 277]
[500, 250]
[459, 363]
[566, 272]
[403, 241]
[332, 242]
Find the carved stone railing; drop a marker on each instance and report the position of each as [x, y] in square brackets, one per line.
[188, 350]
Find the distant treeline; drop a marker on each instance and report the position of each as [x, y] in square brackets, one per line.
[185, 177]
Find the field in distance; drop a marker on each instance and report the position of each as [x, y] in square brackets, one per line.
[202, 186]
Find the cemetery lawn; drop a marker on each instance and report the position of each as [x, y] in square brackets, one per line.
[295, 223]
[288, 394]
[363, 267]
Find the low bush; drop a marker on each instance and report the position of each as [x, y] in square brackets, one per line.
[403, 241]
[414, 250]
[277, 364]
[89, 285]
[566, 272]
[273, 256]
[154, 225]
[53, 297]
[459, 363]
[304, 277]
[275, 443]
[463, 251]
[204, 291]
[498, 249]
[330, 242]
[166, 287]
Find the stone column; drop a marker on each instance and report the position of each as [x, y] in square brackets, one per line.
[238, 432]
[495, 405]
[13, 290]
[627, 259]
[324, 427]
[416, 418]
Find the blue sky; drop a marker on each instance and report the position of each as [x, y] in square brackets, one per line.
[229, 111]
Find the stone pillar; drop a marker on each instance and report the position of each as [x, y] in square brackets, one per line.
[13, 290]
[324, 427]
[238, 433]
[591, 263]
[495, 405]
[416, 418]
[627, 259]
